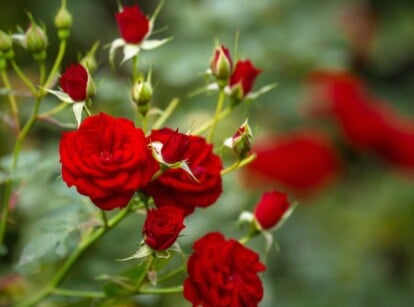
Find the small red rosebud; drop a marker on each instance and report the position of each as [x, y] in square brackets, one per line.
[242, 79]
[221, 64]
[162, 227]
[271, 209]
[75, 82]
[241, 141]
[133, 24]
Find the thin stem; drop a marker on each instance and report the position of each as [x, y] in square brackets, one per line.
[145, 123]
[56, 65]
[104, 219]
[175, 289]
[22, 76]
[209, 123]
[134, 68]
[5, 209]
[42, 72]
[172, 274]
[216, 115]
[76, 293]
[238, 164]
[68, 264]
[166, 113]
[12, 99]
[55, 110]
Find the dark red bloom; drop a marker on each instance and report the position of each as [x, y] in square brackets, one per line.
[133, 24]
[223, 273]
[221, 63]
[243, 78]
[301, 162]
[74, 82]
[175, 187]
[271, 208]
[162, 227]
[107, 159]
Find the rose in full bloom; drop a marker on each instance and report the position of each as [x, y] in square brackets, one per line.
[74, 82]
[175, 186]
[107, 159]
[271, 208]
[133, 25]
[242, 79]
[221, 63]
[162, 227]
[301, 162]
[223, 273]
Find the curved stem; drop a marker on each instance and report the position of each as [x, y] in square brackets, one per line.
[209, 123]
[22, 76]
[56, 65]
[166, 114]
[12, 99]
[172, 274]
[176, 289]
[238, 164]
[55, 110]
[76, 293]
[68, 264]
[216, 115]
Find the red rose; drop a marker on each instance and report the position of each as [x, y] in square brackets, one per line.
[74, 82]
[162, 227]
[301, 162]
[133, 24]
[223, 273]
[221, 64]
[107, 159]
[175, 187]
[242, 79]
[271, 209]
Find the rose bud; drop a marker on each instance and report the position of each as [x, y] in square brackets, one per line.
[133, 25]
[241, 141]
[242, 79]
[221, 64]
[63, 22]
[76, 83]
[162, 227]
[5, 42]
[270, 209]
[36, 41]
[141, 94]
[89, 60]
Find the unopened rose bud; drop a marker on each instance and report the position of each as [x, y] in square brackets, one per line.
[242, 140]
[63, 22]
[271, 209]
[89, 60]
[141, 94]
[36, 41]
[5, 42]
[221, 64]
[242, 79]
[77, 83]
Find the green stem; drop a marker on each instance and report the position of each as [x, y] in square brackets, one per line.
[12, 99]
[172, 274]
[104, 219]
[166, 114]
[209, 123]
[134, 68]
[50, 79]
[22, 76]
[76, 293]
[176, 289]
[55, 110]
[216, 115]
[145, 123]
[68, 264]
[238, 164]
[42, 72]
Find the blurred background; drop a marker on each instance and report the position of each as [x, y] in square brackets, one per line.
[349, 242]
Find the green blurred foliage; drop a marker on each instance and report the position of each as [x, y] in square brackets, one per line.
[349, 245]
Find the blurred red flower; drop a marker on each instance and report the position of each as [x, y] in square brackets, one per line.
[301, 162]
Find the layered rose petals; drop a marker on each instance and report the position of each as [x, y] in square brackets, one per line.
[107, 159]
